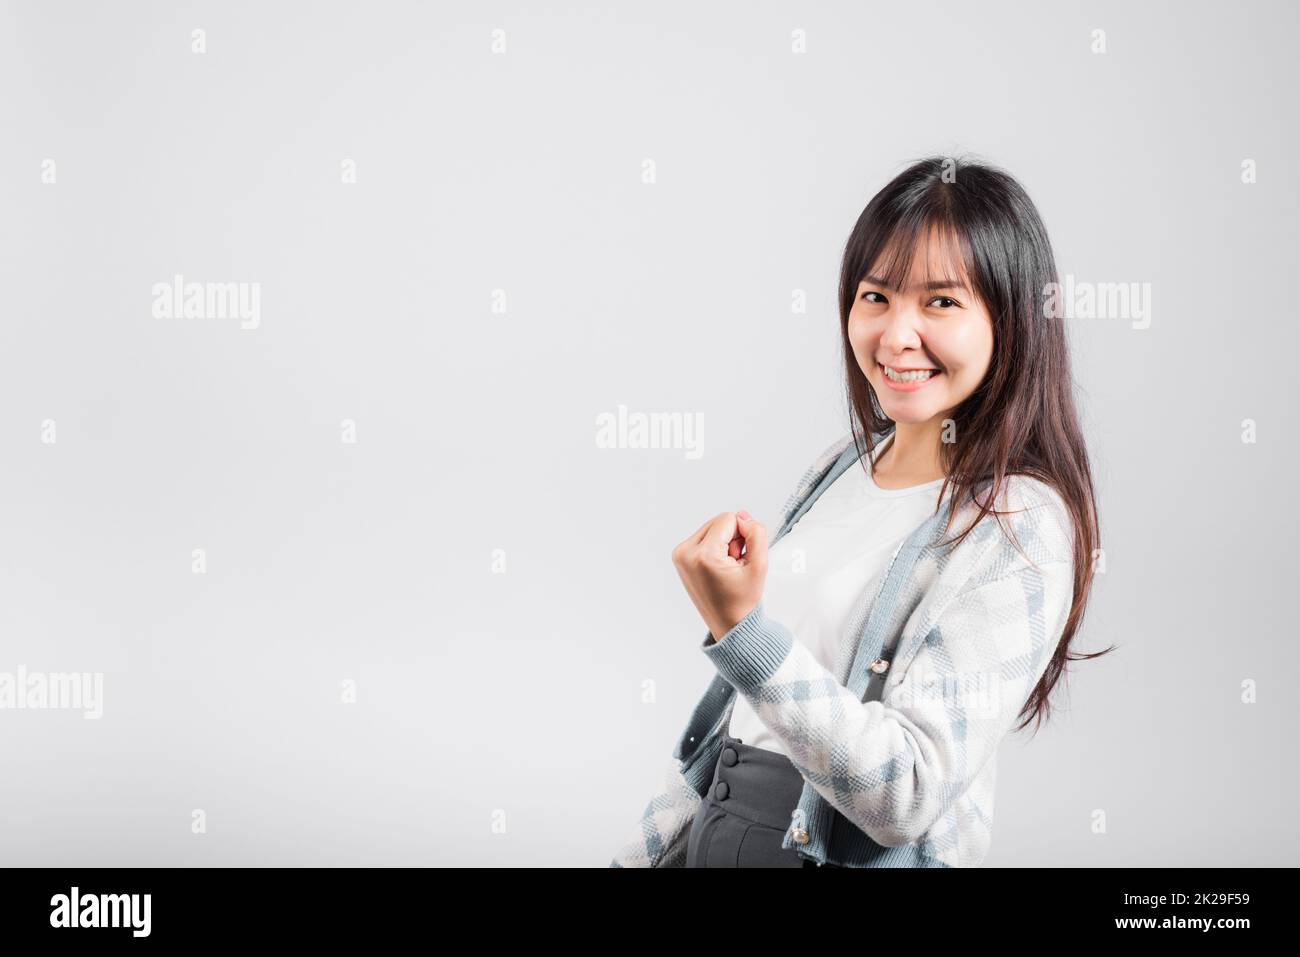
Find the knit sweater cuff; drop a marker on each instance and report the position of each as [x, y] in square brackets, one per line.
[749, 654]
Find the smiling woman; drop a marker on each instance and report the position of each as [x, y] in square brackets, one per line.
[946, 269]
[867, 663]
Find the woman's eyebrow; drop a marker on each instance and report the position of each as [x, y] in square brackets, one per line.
[929, 287]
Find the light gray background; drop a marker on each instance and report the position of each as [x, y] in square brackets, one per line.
[521, 692]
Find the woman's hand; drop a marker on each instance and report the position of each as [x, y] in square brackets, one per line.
[724, 566]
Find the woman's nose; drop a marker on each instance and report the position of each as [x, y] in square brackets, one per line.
[901, 327]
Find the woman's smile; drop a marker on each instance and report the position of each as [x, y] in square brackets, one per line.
[910, 381]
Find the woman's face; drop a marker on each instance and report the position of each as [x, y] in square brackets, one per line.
[942, 327]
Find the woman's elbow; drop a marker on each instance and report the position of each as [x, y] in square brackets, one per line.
[902, 827]
[896, 834]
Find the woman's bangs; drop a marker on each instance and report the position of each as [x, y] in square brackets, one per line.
[951, 260]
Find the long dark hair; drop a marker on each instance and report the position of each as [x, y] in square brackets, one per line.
[1021, 418]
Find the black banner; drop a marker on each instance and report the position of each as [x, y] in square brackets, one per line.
[367, 905]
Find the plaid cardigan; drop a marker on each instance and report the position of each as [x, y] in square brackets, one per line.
[897, 755]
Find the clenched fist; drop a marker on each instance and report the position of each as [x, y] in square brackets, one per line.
[724, 566]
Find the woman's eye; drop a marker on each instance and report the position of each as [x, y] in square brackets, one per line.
[944, 299]
[867, 296]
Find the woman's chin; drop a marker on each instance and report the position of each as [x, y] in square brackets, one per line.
[911, 412]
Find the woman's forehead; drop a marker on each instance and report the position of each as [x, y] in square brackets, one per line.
[934, 258]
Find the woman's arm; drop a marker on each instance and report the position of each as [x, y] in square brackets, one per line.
[661, 835]
[893, 767]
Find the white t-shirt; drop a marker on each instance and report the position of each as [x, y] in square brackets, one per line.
[816, 571]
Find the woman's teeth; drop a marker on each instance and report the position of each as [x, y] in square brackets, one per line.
[918, 376]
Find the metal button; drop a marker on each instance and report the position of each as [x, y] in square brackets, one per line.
[800, 836]
[729, 756]
[721, 791]
[880, 666]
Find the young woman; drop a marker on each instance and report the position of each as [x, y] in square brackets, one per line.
[868, 666]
